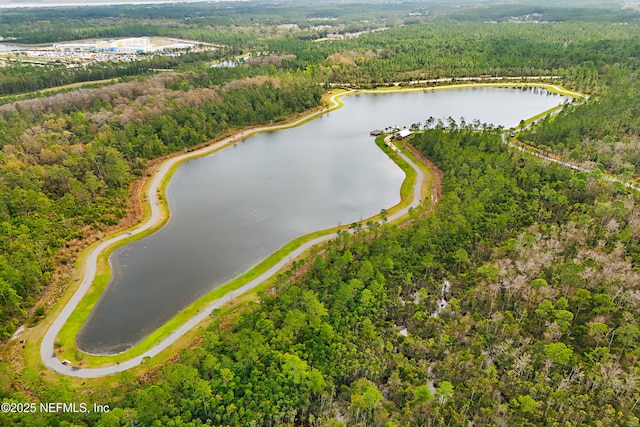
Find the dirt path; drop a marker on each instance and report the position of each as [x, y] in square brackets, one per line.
[534, 152]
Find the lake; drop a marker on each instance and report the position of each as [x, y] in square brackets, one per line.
[10, 47]
[233, 208]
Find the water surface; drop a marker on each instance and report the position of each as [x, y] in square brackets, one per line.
[4, 47]
[233, 208]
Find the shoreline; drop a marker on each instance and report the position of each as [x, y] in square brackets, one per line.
[154, 217]
[153, 194]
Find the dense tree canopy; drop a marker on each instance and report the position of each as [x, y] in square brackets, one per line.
[65, 171]
[513, 301]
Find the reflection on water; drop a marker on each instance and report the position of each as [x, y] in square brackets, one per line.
[233, 208]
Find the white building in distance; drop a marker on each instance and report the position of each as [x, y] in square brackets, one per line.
[128, 46]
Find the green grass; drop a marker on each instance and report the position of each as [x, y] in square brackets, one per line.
[66, 338]
[406, 189]
[428, 184]
[531, 120]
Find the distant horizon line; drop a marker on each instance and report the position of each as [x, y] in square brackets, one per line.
[51, 4]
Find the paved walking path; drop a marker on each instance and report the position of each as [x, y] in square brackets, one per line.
[47, 346]
[47, 350]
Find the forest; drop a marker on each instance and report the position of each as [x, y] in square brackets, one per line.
[537, 264]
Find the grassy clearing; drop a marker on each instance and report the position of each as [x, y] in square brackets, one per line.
[427, 186]
[531, 120]
[406, 189]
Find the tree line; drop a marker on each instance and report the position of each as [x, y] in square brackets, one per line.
[540, 322]
[602, 133]
[514, 301]
[65, 174]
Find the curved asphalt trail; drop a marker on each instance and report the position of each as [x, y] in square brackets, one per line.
[47, 346]
[47, 350]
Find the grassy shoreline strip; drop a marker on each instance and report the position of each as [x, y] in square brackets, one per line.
[75, 321]
[66, 338]
[79, 316]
